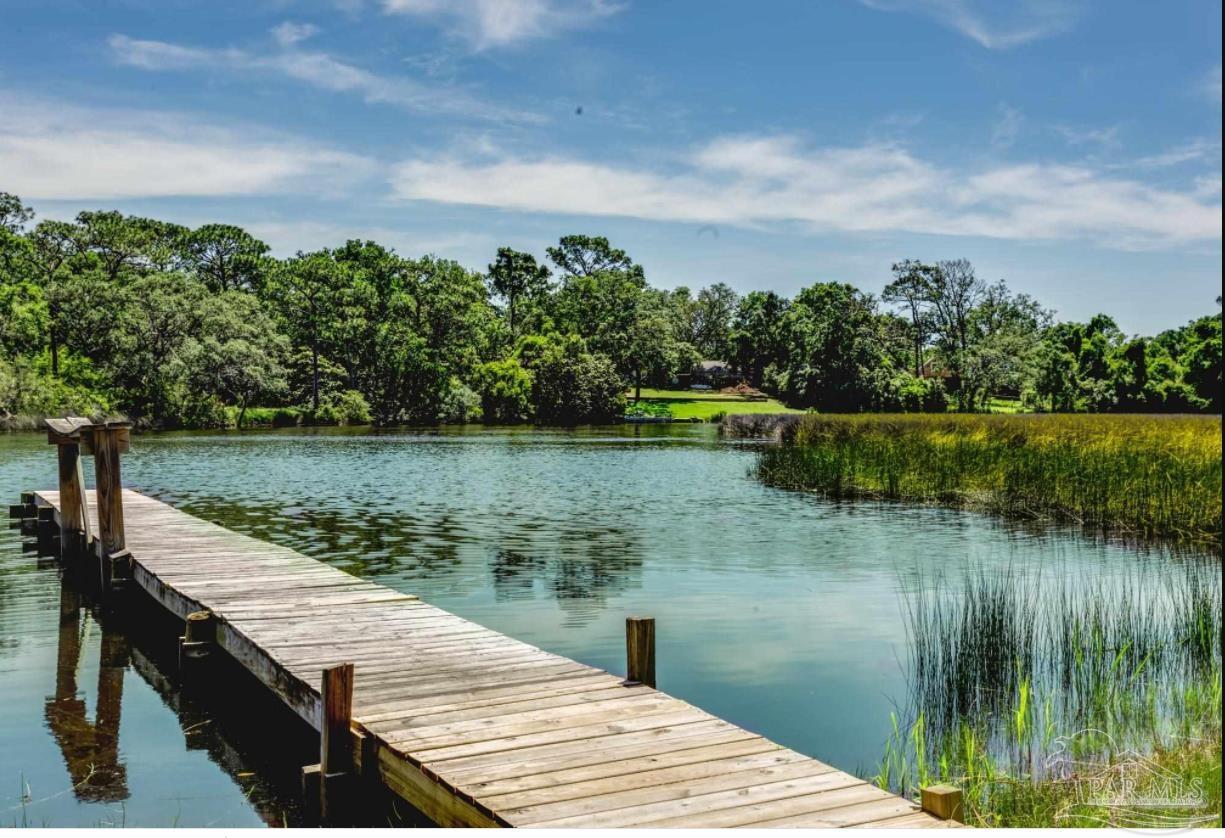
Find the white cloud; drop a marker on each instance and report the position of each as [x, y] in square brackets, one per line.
[1007, 126]
[763, 181]
[289, 33]
[316, 69]
[1105, 138]
[993, 24]
[56, 151]
[498, 23]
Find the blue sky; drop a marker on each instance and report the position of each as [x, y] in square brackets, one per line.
[1072, 148]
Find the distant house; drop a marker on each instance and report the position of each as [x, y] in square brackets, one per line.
[713, 374]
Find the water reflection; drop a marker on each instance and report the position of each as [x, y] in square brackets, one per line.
[90, 747]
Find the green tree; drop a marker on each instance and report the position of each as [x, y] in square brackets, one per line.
[910, 288]
[238, 356]
[515, 275]
[52, 245]
[757, 335]
[587, 255]
[305, 291]
[712, 314]
[836, 359]
[225, 257]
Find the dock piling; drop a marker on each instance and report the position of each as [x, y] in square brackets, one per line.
[640, 650]
[199, 636]
[334, 773]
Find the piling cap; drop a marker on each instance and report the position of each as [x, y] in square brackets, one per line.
[69, 426]
[78, 429]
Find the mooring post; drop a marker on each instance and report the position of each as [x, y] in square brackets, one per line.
[640, 650]
[328, 782]
[199, 636]
[943, 802]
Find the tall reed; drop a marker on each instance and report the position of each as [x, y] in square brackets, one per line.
[1126, 474]
[1006, 670]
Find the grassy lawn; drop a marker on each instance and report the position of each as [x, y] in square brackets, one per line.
[693, 404]
[998, 405]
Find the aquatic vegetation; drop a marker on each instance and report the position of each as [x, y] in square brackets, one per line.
[1133, 475]
[1014, 677]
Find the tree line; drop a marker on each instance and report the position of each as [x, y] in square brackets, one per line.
[198, 327]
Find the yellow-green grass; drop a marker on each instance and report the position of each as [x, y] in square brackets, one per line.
[1136, 475]
[694, 404]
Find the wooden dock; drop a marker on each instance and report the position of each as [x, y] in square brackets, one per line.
[469, 726]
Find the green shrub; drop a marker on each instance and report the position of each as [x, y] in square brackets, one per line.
[263, 417]
[460, 405]
[346, 407]
[505, 388]
[648, 408]
[573, 386]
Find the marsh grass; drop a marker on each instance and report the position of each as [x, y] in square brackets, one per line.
[1011, 675]
[1144, 476]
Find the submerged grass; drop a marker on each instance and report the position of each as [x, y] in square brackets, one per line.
[1041, 706]
[1145, 476]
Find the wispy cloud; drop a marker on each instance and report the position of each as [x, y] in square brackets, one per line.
[1194, 151]
[1105, 139]
[498, 23]
[58, 151]
[317, 69]
[995, 25]
[289, 33]
[763, 181]
[1007, 126]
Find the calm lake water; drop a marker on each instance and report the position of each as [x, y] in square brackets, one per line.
[778, 611]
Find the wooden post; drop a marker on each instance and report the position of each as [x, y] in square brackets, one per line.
[47, 531]
[199, 636]
[640, 650]
[336, 738]
[943, 802]
[72, 509]
[327, 784]
[107, 443]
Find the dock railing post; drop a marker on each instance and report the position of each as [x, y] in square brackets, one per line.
[65, 435]
[108, 441]
[329, 782]
[640, 650]
[72, 509]
[943, 802]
